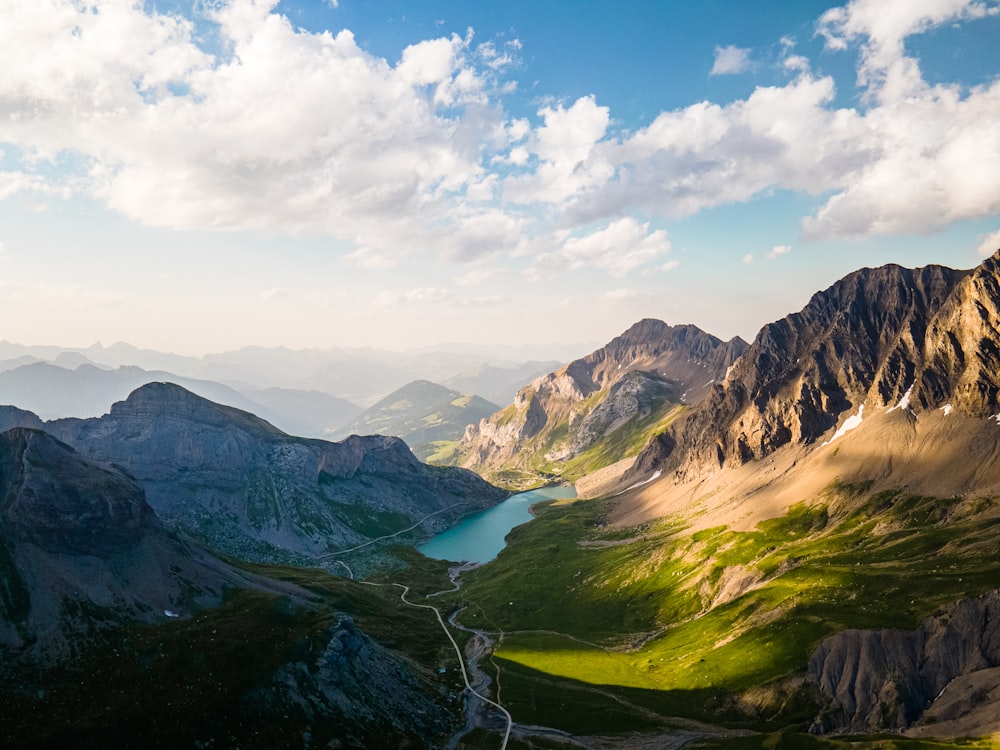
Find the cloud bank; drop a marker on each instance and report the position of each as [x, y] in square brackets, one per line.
[278, 129]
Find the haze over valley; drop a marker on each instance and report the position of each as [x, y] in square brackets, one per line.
[500, 375]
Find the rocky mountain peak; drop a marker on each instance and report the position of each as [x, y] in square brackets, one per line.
[557, 416]
[917, 339]
[231, 480]
[159, 400]
[11, 416]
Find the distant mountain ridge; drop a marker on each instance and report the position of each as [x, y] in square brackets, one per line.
[422, 413]
[612, 400]
[54, 391]
[360, 375]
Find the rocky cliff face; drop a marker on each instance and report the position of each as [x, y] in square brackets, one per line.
[607, 396]
[241, 486]
[11, 416]
[874, 680]
[75, 534]
[122, 634]
[921, 338]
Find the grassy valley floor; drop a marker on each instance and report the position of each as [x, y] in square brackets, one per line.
[619, 630]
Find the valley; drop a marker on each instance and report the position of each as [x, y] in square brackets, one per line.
[798, 550]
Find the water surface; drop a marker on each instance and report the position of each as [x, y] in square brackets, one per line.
[480, 537]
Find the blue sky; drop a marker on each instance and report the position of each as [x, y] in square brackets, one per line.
[201, 176]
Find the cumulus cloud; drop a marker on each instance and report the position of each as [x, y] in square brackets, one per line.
[748, 258]
[730, 60]
[288, 130]
[777, 250]
[670, 265]
[565, 148]
[987, 246]
[885, 25]
[618, 248]
[280, 129]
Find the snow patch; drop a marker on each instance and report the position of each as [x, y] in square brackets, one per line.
[854, 421]
[656, 475]
[946, 409]
[904, 402]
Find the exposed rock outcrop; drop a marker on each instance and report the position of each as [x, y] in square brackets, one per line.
[643, 373]
[918, 338]
[11, 416]
[874, 680]
[233, 481]
[72, 533]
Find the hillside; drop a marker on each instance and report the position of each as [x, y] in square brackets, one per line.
[599, 409]
[243, 487]
[119, 633]
[428, 416]
[807, 551]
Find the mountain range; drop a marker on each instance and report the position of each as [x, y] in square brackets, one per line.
[243, 487]
[115, 631]
[359, 376]
[599, 409]
[810, 547]
[787, 543]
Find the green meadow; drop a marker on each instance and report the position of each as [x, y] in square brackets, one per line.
[657, 624]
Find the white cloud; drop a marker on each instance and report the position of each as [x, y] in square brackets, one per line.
[420, 154]
[418, 296]
[565, 146]
[748, 258]
[273, 294]
[990, 244]
[12, 183]
[730, 60]
[777, 250]
[885, 24]
[479, 276]
[498, 59]
[936, 161]
[365, 257]
[173, 136]
[670, 265]
[618, 248]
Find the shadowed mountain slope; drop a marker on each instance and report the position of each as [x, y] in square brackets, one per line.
[119, 633]
[241, 486]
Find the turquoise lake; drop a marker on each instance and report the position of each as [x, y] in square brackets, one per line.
[480, 537]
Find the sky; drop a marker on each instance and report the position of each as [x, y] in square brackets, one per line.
[198, 176]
